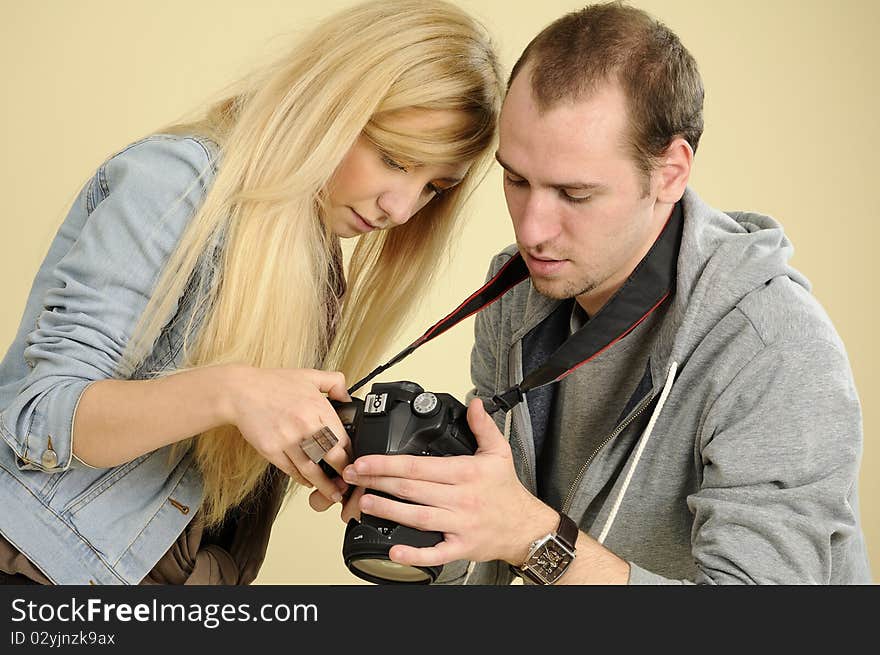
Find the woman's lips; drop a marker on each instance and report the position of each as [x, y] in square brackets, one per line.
[361, 224]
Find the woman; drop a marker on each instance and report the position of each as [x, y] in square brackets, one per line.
[192, 311]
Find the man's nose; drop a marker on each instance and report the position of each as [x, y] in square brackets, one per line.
[535, 221]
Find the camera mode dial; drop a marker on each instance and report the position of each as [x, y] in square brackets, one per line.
[425, 404]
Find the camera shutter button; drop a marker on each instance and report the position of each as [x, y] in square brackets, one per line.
[425, 404]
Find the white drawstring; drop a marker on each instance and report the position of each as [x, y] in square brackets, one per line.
[670, 377]
[643, 441]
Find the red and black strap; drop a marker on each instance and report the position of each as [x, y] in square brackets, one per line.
[647, 288]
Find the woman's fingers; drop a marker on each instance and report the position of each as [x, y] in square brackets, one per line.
[351, 507]
[320, 503]
[339, 456]
[289, 467]
[330, 382]
[282, 408]
[313, 473]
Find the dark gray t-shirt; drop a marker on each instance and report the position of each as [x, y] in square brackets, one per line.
[588, 405]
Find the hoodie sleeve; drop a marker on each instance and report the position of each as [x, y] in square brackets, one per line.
[780, 454]
[140, 202]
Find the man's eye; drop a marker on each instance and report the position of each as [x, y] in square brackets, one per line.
[392, 163]
[515, 181]
[572, 198]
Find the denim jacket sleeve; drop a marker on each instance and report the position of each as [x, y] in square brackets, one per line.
[134, 211]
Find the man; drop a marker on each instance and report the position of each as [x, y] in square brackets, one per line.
[718, 439]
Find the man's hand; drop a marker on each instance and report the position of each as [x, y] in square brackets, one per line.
[477, 502]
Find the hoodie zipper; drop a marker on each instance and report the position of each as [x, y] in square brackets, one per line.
[528, 469]
[620, 428]
[522, 456]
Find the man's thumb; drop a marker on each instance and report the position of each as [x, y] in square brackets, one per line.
[482, 425]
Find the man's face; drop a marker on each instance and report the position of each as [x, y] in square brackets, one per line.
[580, 212]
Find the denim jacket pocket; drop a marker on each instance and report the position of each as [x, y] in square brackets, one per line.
[135, 505]
[103, 482]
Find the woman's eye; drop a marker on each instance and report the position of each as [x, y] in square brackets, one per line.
[515, 181]
[392, 163]
[434, 189]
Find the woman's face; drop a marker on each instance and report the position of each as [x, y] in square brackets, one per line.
[371, 191]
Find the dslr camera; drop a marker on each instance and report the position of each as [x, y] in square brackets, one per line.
[398, 418]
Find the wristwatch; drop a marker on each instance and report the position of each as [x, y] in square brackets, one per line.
[550, 555]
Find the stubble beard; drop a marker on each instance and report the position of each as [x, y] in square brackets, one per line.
[563, 289]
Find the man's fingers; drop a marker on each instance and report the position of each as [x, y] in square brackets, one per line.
[442, 553]
[414, 491]
[420, 517]
[414, 467]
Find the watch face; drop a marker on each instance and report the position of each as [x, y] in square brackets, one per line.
[548, 562]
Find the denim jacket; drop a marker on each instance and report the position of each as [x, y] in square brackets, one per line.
[76, 523]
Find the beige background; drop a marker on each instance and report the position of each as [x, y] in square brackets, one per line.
[791, 130]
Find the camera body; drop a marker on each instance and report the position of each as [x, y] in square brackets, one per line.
[399, 418]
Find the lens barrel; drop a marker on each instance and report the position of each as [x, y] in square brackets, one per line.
[365, 551]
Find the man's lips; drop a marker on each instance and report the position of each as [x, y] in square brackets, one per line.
[543, 265]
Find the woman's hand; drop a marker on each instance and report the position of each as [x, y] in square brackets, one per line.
[275, 409]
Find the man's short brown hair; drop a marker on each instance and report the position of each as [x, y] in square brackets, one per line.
[613, 42]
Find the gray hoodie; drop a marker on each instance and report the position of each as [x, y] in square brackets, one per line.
[736, 459]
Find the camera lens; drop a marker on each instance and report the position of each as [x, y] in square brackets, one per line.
[384, 570]
[366, 545]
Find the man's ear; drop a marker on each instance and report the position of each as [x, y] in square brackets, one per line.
[674, 171]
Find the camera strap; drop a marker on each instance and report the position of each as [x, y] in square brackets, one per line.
[649, 286]
[512, 273]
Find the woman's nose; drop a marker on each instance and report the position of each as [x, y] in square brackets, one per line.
[401, 202]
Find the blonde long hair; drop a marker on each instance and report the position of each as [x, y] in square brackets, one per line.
[281, 137]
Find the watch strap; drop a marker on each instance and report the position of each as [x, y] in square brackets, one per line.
[567, 531]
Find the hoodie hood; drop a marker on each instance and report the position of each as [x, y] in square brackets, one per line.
[728, 255]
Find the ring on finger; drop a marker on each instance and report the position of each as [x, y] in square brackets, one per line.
[319, 444]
